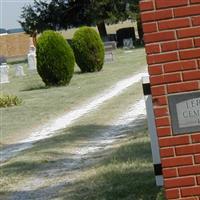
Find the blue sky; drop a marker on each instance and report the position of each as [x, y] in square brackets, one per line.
[10, 12]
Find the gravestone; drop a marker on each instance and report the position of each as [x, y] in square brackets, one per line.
[124, 33]
[111, 43]
[109, 47]
[109, 57]
[19, 70]
[128, 44]
[4, 73]
[32, 62]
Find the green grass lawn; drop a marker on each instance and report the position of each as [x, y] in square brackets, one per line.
[41, 104]
[123, 172]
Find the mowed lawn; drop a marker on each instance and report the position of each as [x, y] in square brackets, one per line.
[123, 172]
[41, 104]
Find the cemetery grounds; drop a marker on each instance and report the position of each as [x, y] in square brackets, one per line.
[104, 154]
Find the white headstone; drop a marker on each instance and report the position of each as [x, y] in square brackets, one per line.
[19, 70]
[108, 57]
[128, 43]
[5, 65]
[108, 53]
[32, 63]
[4, 73]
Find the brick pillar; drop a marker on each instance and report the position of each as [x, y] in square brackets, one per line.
[172, 43]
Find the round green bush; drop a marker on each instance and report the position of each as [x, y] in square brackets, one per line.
[55, 59]
[88, 49]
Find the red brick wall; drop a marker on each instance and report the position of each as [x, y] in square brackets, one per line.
[172, 42]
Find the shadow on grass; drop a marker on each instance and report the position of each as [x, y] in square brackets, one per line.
[136, 46]
[32, 88]
[126, 173]
[84, 73]
[66, 137]
[113, 185]
[129, 153]
[78, 72]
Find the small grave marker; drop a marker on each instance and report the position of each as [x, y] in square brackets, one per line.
[4, 73]
[19, 70]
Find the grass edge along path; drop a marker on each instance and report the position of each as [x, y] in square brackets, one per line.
[49, 129]
[124, 173]
[34, 192]
[40, 105]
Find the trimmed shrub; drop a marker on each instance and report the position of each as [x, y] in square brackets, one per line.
[9, 100]
[55, 59]
[88, 49]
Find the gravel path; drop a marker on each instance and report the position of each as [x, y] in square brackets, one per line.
[46, 184]
[49, 129]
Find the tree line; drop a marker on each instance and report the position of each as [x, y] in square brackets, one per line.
[65, 14]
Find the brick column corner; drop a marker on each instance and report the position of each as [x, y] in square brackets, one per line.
[172, 44]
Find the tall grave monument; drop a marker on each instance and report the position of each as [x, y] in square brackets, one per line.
[4, 68]
[172, 43]
[32, 62]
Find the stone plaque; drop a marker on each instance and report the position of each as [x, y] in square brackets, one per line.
[32, 62]
[185, 112]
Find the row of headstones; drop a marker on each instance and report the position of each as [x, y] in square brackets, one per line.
[19, 70]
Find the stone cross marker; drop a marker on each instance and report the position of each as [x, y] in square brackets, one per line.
[128, 44]
[32, 63]
[19, 70]
[4, 73]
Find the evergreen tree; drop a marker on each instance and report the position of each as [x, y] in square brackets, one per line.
[62, 14]
[101, 12]
[43, 16]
